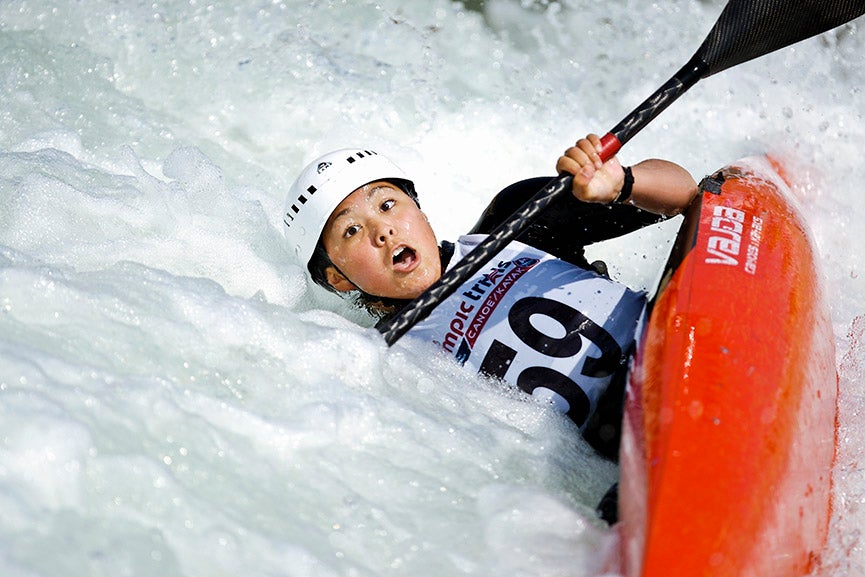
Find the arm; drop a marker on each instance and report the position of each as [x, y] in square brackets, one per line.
[660, 186]
[568, 224]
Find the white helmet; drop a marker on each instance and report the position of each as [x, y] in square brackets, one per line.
[322, 185]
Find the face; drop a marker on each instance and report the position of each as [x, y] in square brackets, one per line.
[382, 243]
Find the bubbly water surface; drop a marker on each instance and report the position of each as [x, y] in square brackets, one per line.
[174, 398]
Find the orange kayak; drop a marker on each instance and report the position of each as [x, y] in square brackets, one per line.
[730, 418]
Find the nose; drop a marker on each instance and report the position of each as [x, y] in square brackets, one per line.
[382, 232]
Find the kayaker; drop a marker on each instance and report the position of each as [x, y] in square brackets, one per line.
[539, 316]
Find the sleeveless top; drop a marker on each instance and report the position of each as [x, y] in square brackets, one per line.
[555, 330]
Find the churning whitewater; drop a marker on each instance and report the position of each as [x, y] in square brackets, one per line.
[175, 399]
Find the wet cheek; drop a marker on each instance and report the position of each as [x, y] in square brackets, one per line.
[337, 256]
[350, 262]
[345, 266]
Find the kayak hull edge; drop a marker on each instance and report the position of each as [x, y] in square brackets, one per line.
[729, 431]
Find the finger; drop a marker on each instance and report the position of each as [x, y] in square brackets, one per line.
[581, 153]
[567, 164]
[576, 162]
[590, 149]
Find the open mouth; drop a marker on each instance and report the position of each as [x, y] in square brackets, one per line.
[404, 257]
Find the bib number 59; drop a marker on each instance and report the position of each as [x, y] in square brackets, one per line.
[576, 326]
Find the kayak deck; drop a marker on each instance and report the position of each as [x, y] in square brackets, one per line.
[729, 431]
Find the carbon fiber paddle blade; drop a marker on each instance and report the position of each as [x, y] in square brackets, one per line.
[747, 29]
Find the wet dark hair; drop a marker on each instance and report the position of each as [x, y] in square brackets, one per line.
[376, 306]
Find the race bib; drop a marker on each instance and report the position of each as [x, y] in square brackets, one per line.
[553, 329]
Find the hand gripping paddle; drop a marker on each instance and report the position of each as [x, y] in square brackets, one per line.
[745, 30]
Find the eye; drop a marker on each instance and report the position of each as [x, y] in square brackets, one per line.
[351, 230]
[387, 205]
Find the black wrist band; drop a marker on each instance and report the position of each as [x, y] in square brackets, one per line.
[625, 193]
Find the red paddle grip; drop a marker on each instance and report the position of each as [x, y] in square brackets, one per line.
[610, 145]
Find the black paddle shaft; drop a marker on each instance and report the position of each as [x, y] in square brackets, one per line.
[745, 30]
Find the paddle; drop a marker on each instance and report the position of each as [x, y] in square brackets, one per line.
[745, 30]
